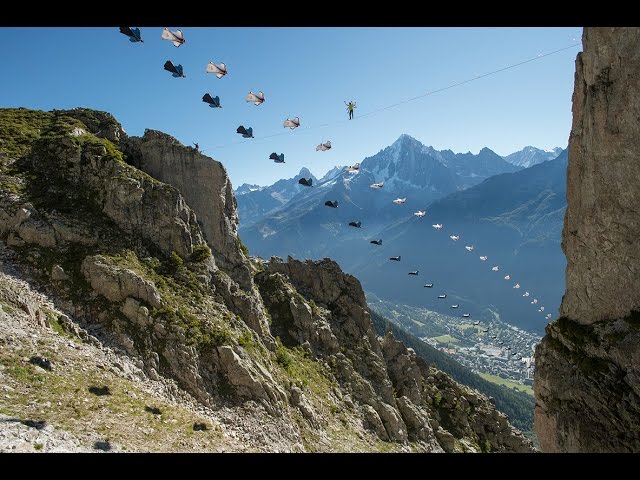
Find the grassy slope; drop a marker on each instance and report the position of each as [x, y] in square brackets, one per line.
[507, 383]
[62, 398]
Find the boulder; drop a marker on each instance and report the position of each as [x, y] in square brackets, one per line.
[58, 274]
[117, 283]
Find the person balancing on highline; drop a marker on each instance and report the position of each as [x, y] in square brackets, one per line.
[350, 106]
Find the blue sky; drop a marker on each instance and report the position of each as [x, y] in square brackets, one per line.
[306, 72]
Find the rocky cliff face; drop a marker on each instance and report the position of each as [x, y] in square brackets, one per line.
[206, 188]
[587, 384]
[602, 220]
[148, 268]
[317, 307]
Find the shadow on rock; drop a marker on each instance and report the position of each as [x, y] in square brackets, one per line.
[100, 391]
[200, 427]
[102, 445]
[41, 362]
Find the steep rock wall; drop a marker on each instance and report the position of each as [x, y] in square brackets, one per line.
[207, 189]
[587, 382]
[602, 222]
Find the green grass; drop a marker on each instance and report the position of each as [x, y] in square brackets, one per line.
[243, 247]
[283, 357]
[200, 253]
[446, 339]
[245, 339]
[22, 371]
[174, 264]
[487, 446]
[5, 307]
[19, 128]
[112, 151]
[467, 326]
[507, 383]
[298, 368]
[315, 310]
[120, 416]
[54, 323]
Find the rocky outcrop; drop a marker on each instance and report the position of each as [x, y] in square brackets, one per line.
[207, 189]
[602, 222]
[22, 224]
[430, 401]
[204, 184]
[247, 304]
[359, 361]
[135, 202]
[249, 379]
[332, 335]
[587, 382]
[55, 410]
[101, 124]
[314, 305]
[338, 292]
[117, 283]
[588, 388]
[211, 368]
[294, 320]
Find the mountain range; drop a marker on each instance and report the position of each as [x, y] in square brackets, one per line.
[530, 156]
[408, 168]
[255, 202]
[513, 219]
[513, 213]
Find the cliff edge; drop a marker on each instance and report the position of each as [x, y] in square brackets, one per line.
[587, 382]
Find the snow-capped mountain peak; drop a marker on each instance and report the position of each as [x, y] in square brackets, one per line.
[246, 188]
[530, 156]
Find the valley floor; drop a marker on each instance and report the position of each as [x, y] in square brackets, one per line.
[507, 383]
[469, 344]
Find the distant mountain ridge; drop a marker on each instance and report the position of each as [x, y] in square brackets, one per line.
[530, 156]
[407, 167]
[254, 201]
[469, 169]
[247, 188]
